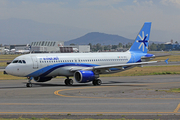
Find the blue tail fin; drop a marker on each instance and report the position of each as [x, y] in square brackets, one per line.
[142, 39]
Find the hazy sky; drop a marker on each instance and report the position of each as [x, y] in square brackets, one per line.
[108, 16]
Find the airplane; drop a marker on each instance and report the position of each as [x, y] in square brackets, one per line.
[6, 50]
[22, 51]
[85, 67]
[13, 50]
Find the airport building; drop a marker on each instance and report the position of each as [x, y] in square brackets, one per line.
[172, 46]
[46, 46]
[13, 46]
[56, 47]
[75, 48]
[2, 50]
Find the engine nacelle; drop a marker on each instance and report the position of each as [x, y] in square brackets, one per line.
[42, 79]
[84, 76]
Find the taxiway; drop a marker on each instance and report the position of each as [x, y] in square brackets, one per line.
[140, 95]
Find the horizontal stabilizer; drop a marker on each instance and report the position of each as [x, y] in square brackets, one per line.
[166, 61]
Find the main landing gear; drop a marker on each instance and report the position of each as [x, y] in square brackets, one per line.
[68, 81]
[29, 84]
[96, 82]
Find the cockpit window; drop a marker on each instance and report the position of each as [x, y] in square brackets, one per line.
[24, 61]
[15, 61]
[19, 61]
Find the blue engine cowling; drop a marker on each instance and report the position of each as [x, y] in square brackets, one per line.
[42, 79]
[84, 76]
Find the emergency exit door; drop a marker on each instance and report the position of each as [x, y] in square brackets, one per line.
[35, 62]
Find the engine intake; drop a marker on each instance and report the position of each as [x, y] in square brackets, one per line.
[84, 76]
[42, 79]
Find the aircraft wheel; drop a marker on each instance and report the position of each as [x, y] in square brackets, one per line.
[94, 82]
[98, 82]
[68, 82]
[29, 85]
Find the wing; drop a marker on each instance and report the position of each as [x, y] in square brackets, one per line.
[108, 68]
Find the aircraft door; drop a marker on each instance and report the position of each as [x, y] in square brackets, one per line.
[35, 62]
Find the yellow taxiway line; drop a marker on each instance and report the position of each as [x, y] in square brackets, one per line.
[73, 89]
[177, 108]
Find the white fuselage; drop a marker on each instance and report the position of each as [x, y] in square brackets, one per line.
[36, 64]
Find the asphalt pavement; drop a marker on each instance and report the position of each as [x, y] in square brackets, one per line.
[117, 96]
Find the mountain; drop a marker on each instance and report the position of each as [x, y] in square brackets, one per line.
[102, 38]
[23, 31]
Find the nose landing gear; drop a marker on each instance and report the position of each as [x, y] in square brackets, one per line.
[29, 84]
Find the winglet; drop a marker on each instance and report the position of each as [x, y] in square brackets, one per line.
[166, 61]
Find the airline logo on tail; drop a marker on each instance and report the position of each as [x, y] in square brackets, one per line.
[143, 41]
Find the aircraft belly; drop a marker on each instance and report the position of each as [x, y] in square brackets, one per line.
[64, 71]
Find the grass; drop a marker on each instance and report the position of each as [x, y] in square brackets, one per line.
[5, 58]
[176, 90]
[3, 64]
[9, 56]
[172, 58]
[10, 77]
[147, 70]
[174, 55]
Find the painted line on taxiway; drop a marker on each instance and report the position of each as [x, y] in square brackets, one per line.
[177, 108]
[72, 89]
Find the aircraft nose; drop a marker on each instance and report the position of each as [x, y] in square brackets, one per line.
[8, 70]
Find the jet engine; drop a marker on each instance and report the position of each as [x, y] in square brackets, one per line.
[42, 79]
[85, 76]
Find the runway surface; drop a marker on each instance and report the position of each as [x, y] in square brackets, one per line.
[140, 95]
